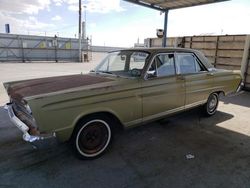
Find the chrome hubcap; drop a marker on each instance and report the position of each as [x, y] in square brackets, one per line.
[212, 104]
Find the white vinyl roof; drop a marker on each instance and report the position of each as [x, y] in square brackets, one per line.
[162, 5]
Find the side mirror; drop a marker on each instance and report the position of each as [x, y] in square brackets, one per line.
[151, 74]
[135, 72]
[123, 57]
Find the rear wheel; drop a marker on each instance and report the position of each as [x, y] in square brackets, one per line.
[211, 106]
[92, 137]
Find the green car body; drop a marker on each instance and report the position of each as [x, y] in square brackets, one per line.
[130, 101]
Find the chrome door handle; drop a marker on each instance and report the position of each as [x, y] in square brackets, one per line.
[180, 77]
[210, 74]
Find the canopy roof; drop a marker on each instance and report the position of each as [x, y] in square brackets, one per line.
[163, 5]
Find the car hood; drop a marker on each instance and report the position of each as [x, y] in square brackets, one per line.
[19, 90]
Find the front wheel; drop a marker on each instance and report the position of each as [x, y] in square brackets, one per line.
[211, 106]
[92, 137]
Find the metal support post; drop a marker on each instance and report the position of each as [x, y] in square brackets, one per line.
[80, 33]
[164, 41]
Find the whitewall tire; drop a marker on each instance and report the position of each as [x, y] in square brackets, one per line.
[92, 137]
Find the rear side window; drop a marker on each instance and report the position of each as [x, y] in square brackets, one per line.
[187, 63]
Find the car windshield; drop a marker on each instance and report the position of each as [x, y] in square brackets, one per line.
[123, 63]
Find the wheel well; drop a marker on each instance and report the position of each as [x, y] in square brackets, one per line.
[220, 93]
[117, 122]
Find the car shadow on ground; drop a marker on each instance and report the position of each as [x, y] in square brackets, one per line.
[243, 100]
[153, 155]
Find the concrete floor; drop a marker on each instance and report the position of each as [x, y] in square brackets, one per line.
[21, 71]
[153, 155]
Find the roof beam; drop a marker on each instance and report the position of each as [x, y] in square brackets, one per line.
[163, 5]
[189, 4]
[148, 5]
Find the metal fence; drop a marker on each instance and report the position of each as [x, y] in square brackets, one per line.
[40, 48]
[37, 48]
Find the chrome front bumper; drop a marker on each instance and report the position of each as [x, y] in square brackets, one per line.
[38, 141]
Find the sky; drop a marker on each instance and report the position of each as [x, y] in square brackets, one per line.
[119, 23]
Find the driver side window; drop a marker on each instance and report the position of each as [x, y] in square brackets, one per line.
[163, 65]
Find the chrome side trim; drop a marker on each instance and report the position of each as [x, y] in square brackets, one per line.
[195, 104]
[162, 114]
[134, 122]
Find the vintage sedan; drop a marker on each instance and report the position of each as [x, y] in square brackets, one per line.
[129, 87]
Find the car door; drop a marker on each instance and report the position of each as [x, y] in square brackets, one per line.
[163, 92]
[198, 80]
